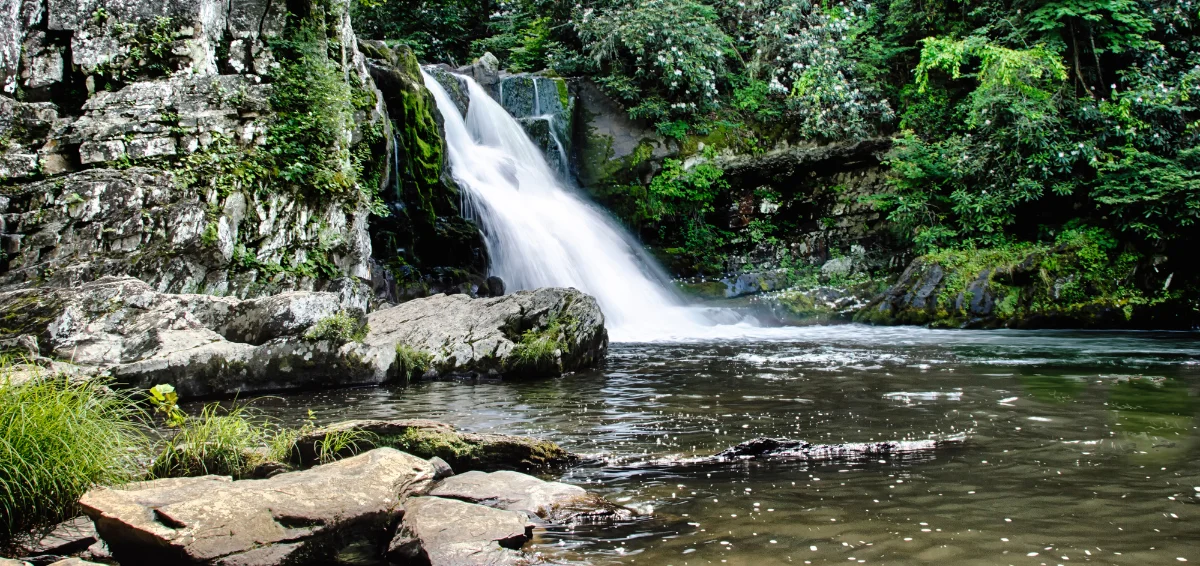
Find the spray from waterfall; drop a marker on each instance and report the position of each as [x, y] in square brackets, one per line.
[540, 233]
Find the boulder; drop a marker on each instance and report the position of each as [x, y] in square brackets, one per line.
[463, 451]
[512, 491]
[307, 515]
[443, 532]
[545, 332]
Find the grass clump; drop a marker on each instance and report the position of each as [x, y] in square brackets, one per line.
[340, 328]
[227, 441]
[59, 438]
[220, 440]
[539, 351]
[411, 363]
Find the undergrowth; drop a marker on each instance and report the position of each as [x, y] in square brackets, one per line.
[58, 439]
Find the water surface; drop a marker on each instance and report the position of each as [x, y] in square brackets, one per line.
[1082, 446]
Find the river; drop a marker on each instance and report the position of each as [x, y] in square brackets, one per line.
[1080, 446]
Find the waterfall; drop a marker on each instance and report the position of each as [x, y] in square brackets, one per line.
[540, 233]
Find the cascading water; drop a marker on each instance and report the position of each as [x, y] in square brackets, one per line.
[541, 234]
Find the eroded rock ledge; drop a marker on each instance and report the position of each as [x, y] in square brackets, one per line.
[207, 345]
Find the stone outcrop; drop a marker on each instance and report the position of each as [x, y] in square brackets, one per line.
[444, 532]
[207, 345]
[611, 147]
[463, 451]
[1043, 287]
[201, 344]
[296, 517]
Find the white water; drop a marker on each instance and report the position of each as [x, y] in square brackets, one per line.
[540, 233]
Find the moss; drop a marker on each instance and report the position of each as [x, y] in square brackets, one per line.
[705, 289]
[564, 96]
[475, 452]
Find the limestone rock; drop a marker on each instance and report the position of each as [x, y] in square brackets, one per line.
[442, 532]
[467, 336]
[463, 451]
[201, 344]
[512, 491]
[213, 520]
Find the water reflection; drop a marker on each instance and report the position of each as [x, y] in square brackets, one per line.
[1072, 455]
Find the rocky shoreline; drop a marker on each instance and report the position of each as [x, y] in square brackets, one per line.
[419, 492]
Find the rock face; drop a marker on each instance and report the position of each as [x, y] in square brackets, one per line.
[295, 517]
[442, 252]
[122, 153]
[463, 451]
[528, 333]
[546, 109]
[442, 532]
[612, 148]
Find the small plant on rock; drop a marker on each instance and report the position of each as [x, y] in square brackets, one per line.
[410, 362]
[340, 328]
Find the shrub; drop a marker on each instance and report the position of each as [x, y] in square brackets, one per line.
[58, 439]
[340, 327]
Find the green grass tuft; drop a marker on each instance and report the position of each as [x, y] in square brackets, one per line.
[411, 363]
[223, 441]
[57, 440]
[340, 327]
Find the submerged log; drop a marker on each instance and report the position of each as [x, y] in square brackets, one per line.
[784, 448]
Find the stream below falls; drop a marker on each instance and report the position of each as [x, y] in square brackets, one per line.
[1081, 446]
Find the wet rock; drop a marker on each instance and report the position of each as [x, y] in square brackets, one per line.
[495, 286]
[822, 304]
[431, 439]
[443, 532]
[512, 491]
[490, 337]
[302, 516]
[801, 450]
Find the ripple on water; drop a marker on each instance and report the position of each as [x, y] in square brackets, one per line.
[1082, 446]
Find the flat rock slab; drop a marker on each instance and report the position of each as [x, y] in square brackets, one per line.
[464, 451]
[551, 501]
[445, 532]
[213, 520]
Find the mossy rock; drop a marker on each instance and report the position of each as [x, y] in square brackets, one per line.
[426, 439]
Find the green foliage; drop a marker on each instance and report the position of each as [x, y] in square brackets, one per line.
[222, 441]
[341, 443]
[539, 350]
[340, 328]
[664, 57]
[59, 438]
[313, 112]
[166, 403]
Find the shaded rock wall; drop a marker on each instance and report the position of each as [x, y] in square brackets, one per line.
[125, 126]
